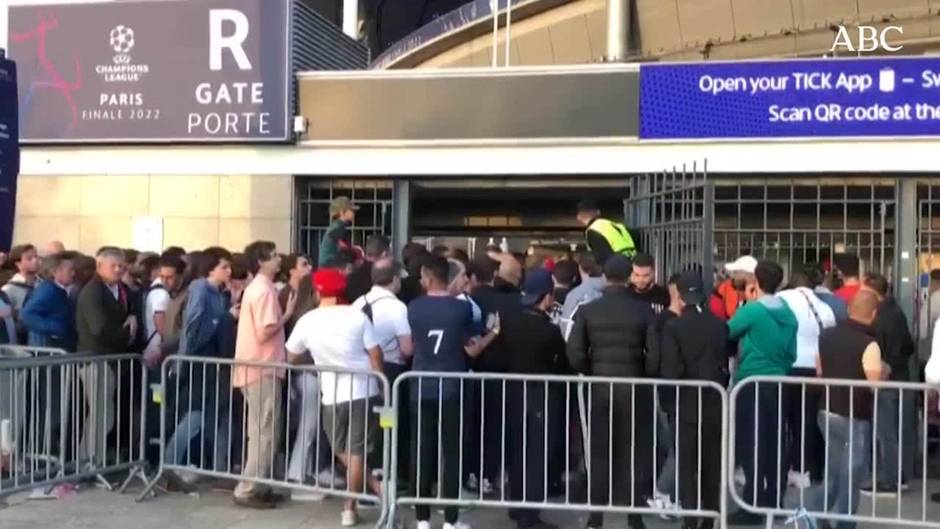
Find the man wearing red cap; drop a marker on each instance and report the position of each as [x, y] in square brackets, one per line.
[341, 337]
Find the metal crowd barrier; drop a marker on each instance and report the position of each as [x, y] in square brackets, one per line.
[825, 428]
[561, 443]
[208, 426]
[67, 417]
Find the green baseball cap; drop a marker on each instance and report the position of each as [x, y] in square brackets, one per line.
[341, 204]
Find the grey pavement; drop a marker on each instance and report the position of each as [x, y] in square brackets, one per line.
[92, 508]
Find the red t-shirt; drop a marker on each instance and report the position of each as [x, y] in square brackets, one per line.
[847, 292]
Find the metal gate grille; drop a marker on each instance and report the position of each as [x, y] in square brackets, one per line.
[927, 306]
[668, 216]
[312, 218]
[796, 221]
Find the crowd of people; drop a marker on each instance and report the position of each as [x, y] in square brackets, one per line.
[598, 314]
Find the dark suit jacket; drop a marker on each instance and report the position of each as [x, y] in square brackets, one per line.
[99, 320]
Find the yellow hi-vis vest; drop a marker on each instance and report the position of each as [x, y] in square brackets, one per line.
[616, 235]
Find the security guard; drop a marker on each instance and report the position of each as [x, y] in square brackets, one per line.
[604, 237]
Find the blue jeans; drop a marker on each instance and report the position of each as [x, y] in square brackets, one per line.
[212, 444]
[306, 400]
[847, 448]
[666, 481]
[887, 435]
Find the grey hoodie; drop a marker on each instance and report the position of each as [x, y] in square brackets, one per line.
[590, 289]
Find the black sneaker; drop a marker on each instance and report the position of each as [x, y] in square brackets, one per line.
[260, 502]
[538, 524]
[174, 483]
[745, 518]
[881, 490]
[935, 497]
[635, 521]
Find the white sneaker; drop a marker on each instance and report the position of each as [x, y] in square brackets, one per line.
[349, 519]
[669, 505]
[800, 480]
[326, 479]
[307, 495]
[424, 525]
[663, 502]
[458, 525]
[472, 482]
[739, 478]
[487, 487]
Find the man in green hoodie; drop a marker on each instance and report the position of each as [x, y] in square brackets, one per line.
[766, 328]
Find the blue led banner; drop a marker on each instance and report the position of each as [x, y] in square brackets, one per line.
[798, 98]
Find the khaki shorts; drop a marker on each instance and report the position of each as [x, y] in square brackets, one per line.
[352, 427]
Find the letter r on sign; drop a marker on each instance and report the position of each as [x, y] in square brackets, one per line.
[234, 42]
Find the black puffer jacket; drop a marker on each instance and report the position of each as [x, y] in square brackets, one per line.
[614, 335]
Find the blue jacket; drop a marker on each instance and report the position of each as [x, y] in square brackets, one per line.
[208, 331]
[208, 328]
[49, 317]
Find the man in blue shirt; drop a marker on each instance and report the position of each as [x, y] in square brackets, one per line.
[442, 331]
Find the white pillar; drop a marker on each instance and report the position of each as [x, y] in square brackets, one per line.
[351, 18]
[618, 30]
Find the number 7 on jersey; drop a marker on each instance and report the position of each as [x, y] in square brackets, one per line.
[438, 334]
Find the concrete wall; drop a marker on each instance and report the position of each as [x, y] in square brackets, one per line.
[575, 32]
[86, 212]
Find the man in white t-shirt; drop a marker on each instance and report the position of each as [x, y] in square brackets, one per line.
[158, 298]
[393, 332]
[389, 317]
[812, 316]
[340, 339]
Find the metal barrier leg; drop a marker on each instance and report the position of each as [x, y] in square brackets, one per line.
[160, 397]
[139, 471]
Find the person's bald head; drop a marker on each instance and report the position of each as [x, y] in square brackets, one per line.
[509, 268]
[386, 273]
[863, 307]
[53, 248]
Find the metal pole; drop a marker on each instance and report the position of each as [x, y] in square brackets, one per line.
[401, 215]
[906, 285]
[351, 18]
[618, 30]
[494, 7]
[708, 230]
[508, 29]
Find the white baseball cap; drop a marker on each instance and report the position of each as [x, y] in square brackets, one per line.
[745, 263]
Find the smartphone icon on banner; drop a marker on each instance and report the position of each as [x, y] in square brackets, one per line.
[886, 80]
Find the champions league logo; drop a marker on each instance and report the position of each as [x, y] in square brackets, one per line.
[122, 40]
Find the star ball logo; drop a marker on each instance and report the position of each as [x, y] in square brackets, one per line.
[122, 40]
